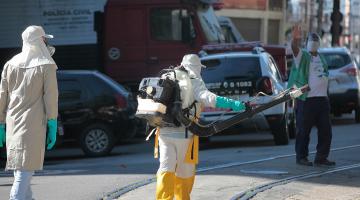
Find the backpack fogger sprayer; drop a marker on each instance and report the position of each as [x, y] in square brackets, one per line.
[159, 102]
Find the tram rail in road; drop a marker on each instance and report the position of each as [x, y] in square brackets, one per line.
[250, 193]
[123, 190]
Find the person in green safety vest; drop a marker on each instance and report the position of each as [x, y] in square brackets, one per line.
[312, 108]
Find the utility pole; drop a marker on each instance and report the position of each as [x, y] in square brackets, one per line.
[311, 14]
[336, 28]
[320, 17]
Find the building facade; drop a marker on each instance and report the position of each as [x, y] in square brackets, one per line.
[258, 20]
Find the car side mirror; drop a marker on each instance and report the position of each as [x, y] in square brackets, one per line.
[186, 33]
[264, 85]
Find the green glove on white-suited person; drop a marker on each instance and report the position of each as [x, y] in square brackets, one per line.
[51, 133]
[223, 102]
[2, 135]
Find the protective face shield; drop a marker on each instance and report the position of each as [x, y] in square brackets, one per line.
[50, 48]
[313, 42]
[192, 63]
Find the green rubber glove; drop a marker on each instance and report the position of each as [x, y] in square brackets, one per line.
[2, 135]
[51, 133]
[223, 102]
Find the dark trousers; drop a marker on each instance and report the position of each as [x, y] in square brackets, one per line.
[315, 111]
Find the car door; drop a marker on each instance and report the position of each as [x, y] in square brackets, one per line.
[125, 43]
[72, 101]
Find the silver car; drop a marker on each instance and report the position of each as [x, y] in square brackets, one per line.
[344, 81]
[235, 75]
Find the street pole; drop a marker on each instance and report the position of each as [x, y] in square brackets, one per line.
[311, 13]
[320, 17]
[336, 18]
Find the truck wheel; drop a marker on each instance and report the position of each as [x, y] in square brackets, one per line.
[280, 131]
[357, 115]
[97, 140]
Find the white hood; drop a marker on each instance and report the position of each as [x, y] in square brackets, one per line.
[34, 51]
[192, 63]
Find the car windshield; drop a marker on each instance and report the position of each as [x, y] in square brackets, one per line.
[115, 85]
[210, 24]
[229, 35]
[336, 60]
[243, 68]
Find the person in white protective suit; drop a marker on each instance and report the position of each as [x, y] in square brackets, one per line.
[178, 147]
[29, 108]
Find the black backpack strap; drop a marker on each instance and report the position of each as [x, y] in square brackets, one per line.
[187, 112]
[182, 68]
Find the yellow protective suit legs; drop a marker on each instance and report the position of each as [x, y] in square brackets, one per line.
[183, 187]
[175, 177]
[165, 184]
[169, 186]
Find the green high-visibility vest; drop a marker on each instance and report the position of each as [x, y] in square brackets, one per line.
[300, 76]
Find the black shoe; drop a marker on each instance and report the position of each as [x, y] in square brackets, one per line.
[304, 161]
[325, 162]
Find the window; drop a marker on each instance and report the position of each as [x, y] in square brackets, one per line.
[274, 70]
[210, 24]
[273, 31]
[229, 36]
[275, 5]
[231, 68]
[69, 90]
[336, 60]
[166, 24]
[249, 28]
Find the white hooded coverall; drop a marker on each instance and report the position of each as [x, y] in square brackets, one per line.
[176, 174]
[28, 98]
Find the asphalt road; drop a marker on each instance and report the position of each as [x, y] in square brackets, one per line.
[231, 165]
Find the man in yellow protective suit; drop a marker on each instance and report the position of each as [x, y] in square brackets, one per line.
[178, 147]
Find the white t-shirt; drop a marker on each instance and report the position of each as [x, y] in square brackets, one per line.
[318, 81]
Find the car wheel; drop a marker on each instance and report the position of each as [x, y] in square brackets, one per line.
[97, 140]
[280, 131]
[357, 115]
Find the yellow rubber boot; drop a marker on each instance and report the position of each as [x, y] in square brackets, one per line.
[165, 184]
[183, 187]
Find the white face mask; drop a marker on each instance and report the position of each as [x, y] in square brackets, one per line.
[51, 49]
[312, 46]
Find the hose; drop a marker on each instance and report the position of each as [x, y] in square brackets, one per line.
[213, 128]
